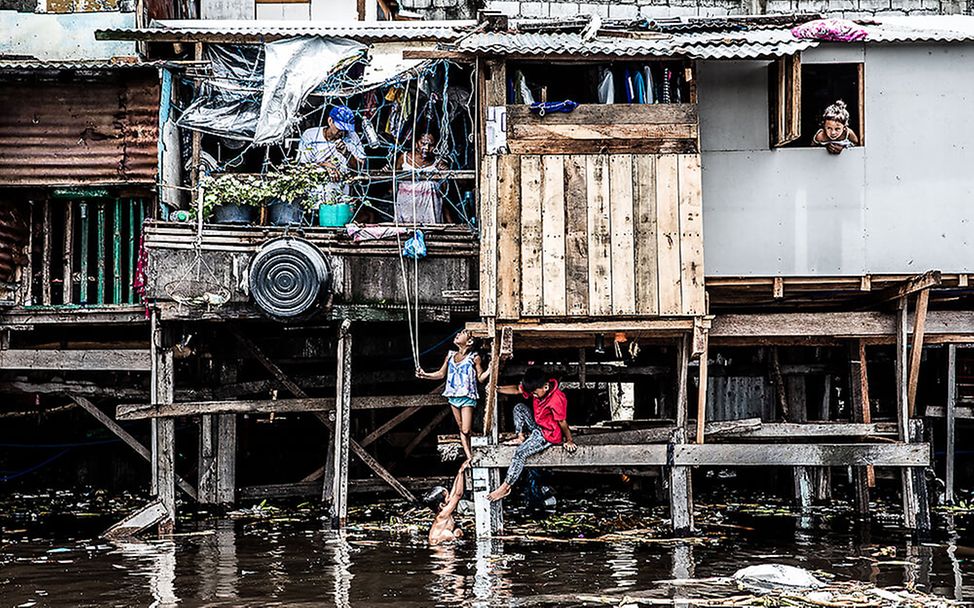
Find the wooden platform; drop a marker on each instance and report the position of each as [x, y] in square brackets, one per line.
[725, 454]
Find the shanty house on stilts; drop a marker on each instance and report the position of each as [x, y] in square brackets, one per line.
[673, 246]
[598, 224]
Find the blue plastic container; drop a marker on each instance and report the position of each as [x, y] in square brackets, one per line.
[334, 215]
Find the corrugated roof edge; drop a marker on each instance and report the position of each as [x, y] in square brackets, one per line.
[258, 31]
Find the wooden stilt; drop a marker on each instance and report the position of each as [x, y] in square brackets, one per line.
[206, 467]
[918, 480]
[859, 403]
[916, 351]
[902, 413]
[163, 447]
[681, 492]
[702, 390]
[795, 408]
[489, 516]
[343, 413]
[226, 458]
[951, 418]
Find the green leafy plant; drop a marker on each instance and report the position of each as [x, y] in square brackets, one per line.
[294, 183]
[231, 189]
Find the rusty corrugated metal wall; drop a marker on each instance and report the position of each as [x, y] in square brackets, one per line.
[100, 132]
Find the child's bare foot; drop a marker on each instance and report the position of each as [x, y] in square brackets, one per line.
[501, 492]
[516, 441]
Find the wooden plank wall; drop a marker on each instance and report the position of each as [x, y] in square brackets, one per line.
[592, 235]
[606, 129]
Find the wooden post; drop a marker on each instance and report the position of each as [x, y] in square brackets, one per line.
[917, 476]
[197, 137]
[681, 492]
[951, 415]
[163, 444]
[916, 352]
[702, 390]
[342, 428]
[489, 516]
[859, 403]
[206, 468]
[903, 414]
[226, 458]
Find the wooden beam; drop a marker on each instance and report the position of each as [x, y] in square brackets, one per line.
[957, 325]
[490, 407]
[961, 412]
[80, 360]
[435, 54]
[931, 278]
[420, 436]
[671, 326]
[129, 440]
[226, 458]
[142, 519]
[297, 391]
[718, 455]
[916, 352]
[664, 434]
[387, 426]
[136, 411]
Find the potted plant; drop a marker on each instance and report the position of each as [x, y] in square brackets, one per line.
[293, 192]
[232, 199]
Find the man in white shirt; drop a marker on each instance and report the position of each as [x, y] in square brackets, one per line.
[335, 146]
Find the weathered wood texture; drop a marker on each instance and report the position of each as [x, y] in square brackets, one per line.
[595, 129]
[153, 513]
[89, 360]
[136, 411]
[592, 235]
[718, 454]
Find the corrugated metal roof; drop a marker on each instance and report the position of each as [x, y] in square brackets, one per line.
[720, 45]
[252, 31]
[99, 66]
[79, 133]
[944, 28]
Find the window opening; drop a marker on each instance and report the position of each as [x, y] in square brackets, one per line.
[649, 82]
[802, 92]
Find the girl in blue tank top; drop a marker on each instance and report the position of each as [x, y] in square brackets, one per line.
[462, 371]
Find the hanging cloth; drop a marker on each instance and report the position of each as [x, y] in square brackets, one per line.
[648, 77]
[667, 77]
[522, 93]
[639, 86]
[607, 86]
[630, 94]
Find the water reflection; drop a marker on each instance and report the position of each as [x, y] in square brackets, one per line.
[218, 569]
[623, 567]
[159, 566]
[341, 570]
[490, 578]
[449, 585]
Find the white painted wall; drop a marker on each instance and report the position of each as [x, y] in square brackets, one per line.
[904, 203]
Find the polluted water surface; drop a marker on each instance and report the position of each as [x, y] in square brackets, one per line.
[596, 550]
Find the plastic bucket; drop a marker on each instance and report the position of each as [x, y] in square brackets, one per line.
[334, 215]
[234, 214]
[280, 213]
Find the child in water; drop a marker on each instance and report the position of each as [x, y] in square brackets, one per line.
[462, 370]
[835, 133]
[444, 502]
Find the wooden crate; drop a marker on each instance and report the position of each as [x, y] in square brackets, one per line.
[591, 235]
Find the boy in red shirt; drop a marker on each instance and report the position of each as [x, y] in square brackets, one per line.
[538, 427]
